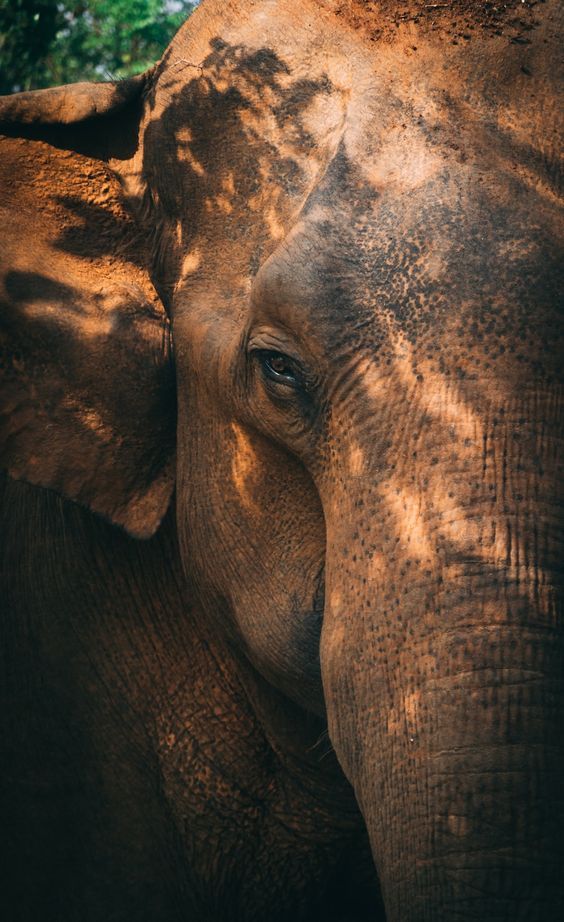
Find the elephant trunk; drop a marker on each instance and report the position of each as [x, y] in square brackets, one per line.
[443, 674]
[452, 740]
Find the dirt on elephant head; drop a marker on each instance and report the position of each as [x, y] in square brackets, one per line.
[459, 19]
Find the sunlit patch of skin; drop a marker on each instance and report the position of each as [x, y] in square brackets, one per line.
[337, 638]
[529, 127]
[183, 137]
[244, 469]
[398, 165]
[92, 324]
[94, 422]
[405, 718]
[269, 201]
[325, 120]
[223, 204]
[282, 118]
[415, 540]
[228, 184]
[335, 598]
[356, 460]
[190, 264]
[387, 101]
[410, 125]
[440, 399]
[411, 703]
[277, 230]
[178, 232]
[95, 308]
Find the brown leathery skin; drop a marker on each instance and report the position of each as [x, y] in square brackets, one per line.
[424, 261]
[373, 190]
[138, 781]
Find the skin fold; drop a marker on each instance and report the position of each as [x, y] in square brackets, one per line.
[281, 411]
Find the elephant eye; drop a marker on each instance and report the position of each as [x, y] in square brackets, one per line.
[278, 367]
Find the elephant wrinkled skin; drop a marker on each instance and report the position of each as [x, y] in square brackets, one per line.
[282, 615]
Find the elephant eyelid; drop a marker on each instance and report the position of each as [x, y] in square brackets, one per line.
[279, 368]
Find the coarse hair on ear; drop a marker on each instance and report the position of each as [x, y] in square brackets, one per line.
[95, 119]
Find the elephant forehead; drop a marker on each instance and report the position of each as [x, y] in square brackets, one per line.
[363, 190]
[242, 122]
[369, 257]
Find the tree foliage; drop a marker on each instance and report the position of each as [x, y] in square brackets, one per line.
[47, 42]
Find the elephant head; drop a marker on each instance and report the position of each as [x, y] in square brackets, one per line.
[353, 229]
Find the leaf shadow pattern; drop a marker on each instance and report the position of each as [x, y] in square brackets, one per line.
[206, 154]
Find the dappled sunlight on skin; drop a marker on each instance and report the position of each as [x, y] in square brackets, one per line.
[404, 268]
[76, 306]
[436, 528]
[528, 163]
[382, 196]
[222, 204]
[436, 552]
[402, 136]
[455, 508]
[414, 140]
[243, 512]
[92, 313]
[276, 229]
[242, 103]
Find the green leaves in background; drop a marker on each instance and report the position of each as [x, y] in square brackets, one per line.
[46, 42]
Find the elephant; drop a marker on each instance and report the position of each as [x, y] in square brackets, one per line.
[281, 426]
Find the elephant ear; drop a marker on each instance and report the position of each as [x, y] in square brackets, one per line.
[87, 391]
[97, 119]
